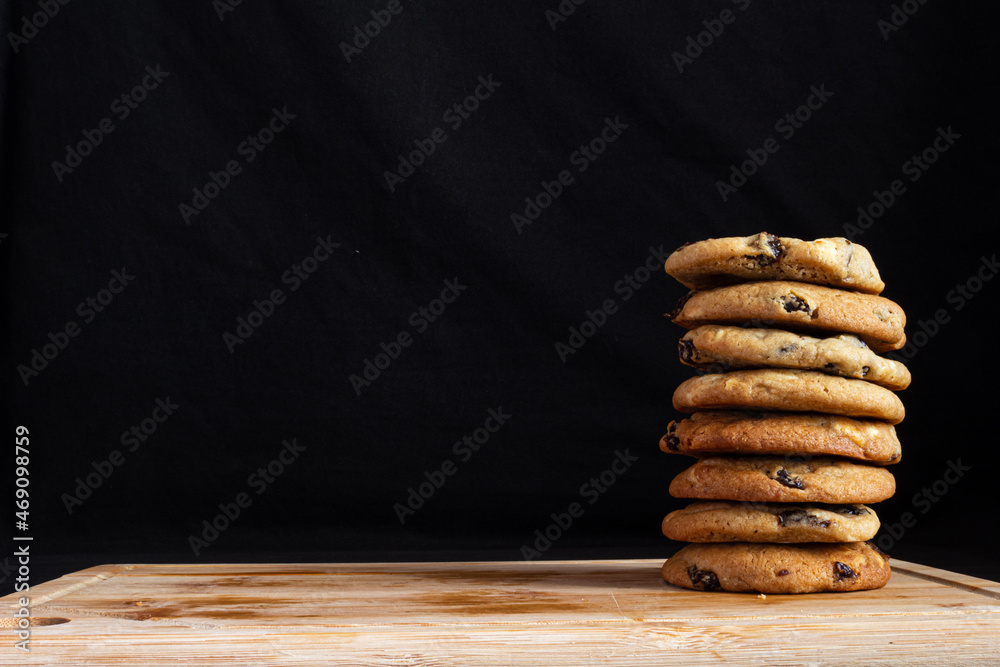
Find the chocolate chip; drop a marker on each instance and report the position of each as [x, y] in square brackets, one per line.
[851, 510]
[771, 248]
[773, 244]
[881, 553]
[864, 371]
[791, 347]
[785, 478]
[800, 516]
[704, 580]
[794, 303]
[673, 442]
[782, 573]
[830, 366]
[680, 305]
[686, 350]
[841, 572]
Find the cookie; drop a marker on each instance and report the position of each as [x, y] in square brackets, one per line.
[778, 568]
[728, 521]
[834, 261]
[783, 304]
[711, 433]
[788, 390]
[776, 479]
[718, 348]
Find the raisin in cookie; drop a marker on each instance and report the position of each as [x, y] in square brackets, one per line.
[778, 568]
[776, 479]
[784, 434]
[728, 521]
[788, 390]
[834, 261]
[718, 348]
[783, 304]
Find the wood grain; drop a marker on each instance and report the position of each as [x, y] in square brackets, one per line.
[492, 613]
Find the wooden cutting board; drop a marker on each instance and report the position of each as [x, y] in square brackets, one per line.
[491, 613]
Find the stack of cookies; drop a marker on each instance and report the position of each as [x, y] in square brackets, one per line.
[791, 421]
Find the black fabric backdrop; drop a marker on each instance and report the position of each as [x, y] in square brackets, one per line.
[153, 407]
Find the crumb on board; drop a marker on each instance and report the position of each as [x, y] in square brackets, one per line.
[761, 596]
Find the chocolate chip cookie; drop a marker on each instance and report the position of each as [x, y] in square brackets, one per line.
[729, 521]
[718, 348]
[783, 434]
[783, 304]
[778, 568]
[788, 390]
[832, 261]
[776, 479]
